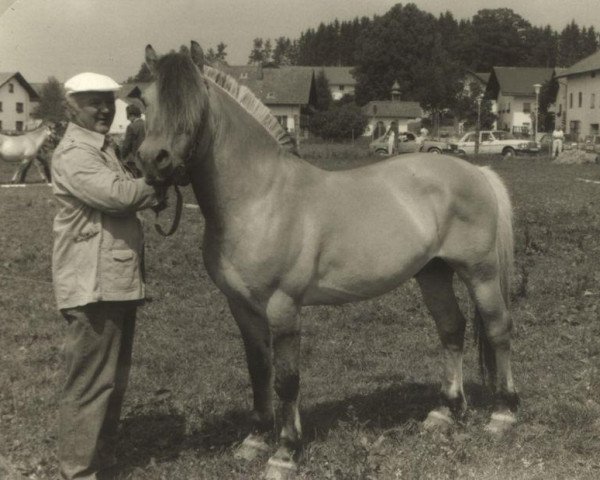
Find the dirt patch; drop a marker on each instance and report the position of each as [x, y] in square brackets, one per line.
[576, 157]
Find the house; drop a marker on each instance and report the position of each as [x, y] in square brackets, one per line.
[381, 113]
[340, 79]
[289, 92]
[578, 97]
[16, 98]
[513, 90]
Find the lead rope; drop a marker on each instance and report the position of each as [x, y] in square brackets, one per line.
[175, 224]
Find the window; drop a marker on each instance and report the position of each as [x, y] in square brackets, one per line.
[574, 126]
[19, 107]
[570, 100]
[592, 100]
[526, 107]
[580, 100]
[508, 109]
[341, 87]
[559, 109]
[19, 126]
[594, 130]
[244, 76]
[0, 124]
[11, 88]
[0, 106]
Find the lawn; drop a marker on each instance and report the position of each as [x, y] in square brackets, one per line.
[370, 371]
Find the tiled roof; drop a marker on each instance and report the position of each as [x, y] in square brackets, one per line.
[337, 75]
[393, 108]
[520, 80]
[588, 64]
[276, 86]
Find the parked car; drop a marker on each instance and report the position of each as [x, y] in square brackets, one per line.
[495, 142]
[407, 143]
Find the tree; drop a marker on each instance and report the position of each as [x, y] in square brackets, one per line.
[467, 110]
[500, 38]
[51, 107]
[324, 99]
[341, 122]
[262, 52]
[218, 56]
[285, 52]
[389, 49]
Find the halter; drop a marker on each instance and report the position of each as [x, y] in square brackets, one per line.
[178, 209]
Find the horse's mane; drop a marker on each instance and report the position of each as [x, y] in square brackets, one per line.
[250, 102]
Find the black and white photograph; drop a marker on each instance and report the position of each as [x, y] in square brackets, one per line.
[284, 240]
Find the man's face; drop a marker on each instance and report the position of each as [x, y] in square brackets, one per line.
[93, 111]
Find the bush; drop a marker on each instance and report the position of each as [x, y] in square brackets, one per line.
[339, 123]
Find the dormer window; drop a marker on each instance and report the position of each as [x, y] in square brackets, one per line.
[270, 95]
[243, 75]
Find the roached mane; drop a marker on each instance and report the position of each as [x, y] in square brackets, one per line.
[182, 101]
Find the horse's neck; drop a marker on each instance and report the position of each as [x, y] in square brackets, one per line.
[241, 162]
[40, 137]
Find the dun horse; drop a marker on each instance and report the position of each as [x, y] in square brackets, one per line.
[281, 233]
[24, 148]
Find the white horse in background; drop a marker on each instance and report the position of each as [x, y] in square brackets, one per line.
[24, 149]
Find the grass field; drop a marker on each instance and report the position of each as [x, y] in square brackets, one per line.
[369, 370]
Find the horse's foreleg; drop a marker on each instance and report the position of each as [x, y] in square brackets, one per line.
[498, 331]
[282, 313]
[435, 281]
[257, 343]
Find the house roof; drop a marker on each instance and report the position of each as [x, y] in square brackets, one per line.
[393, 108]
[338, 75]
[517, 80]
[6, 76]
[588, 64]
[276, 86]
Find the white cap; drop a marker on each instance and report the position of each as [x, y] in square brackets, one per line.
[90, 82]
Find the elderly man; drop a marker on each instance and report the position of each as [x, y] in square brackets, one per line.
[97, 269]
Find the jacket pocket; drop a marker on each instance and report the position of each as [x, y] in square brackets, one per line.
[120, 271]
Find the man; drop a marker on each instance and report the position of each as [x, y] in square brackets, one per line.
[97, 274]
[557, 140]
[134, 136]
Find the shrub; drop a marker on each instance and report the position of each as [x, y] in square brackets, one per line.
[338, 123]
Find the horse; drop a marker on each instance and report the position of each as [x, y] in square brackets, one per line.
[24, 148]
[281, 233]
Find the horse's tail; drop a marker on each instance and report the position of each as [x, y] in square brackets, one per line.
[505, 252]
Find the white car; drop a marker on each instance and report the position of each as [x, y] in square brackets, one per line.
[495, 142]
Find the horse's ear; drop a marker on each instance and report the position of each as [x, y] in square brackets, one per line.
[151, 58]
[197, 55]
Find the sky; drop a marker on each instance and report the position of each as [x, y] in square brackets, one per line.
[60, 38]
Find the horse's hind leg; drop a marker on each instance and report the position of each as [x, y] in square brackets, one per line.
[496, 337]
[257, 343]
[435, 281]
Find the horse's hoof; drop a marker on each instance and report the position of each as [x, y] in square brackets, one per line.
[501, 423]
[279, 469]
[251, 448]
[439, 420]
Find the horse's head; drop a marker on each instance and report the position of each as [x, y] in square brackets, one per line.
[176, 105]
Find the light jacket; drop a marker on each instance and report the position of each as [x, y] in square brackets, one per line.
[98, 238]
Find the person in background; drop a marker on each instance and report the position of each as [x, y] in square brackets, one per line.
[97, 270]
[558, 137]
[392, 138]
[134, 136]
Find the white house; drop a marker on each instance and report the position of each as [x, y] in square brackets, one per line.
[513, 90]
[381, 113]
[578, 98]
[16, 98]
